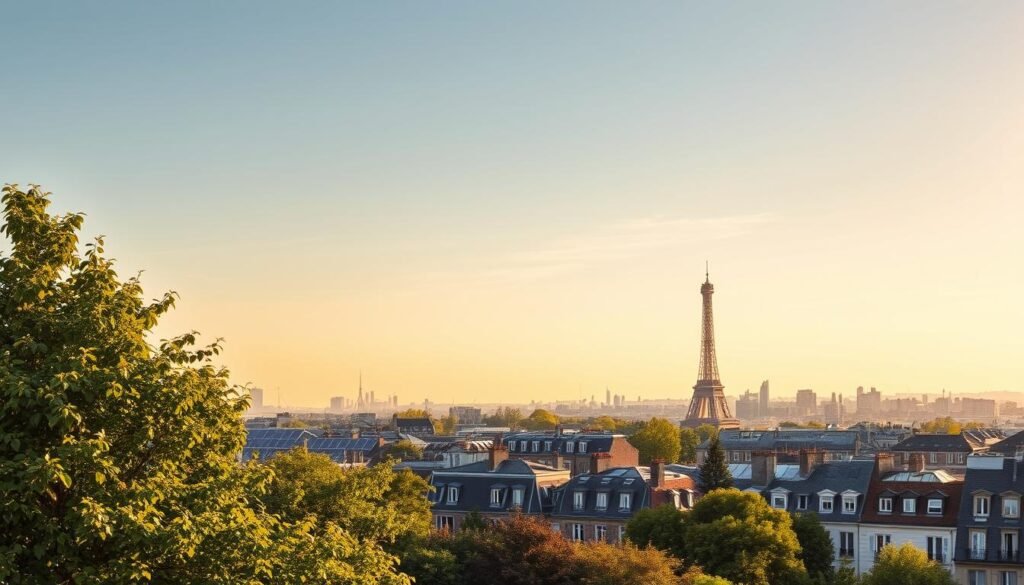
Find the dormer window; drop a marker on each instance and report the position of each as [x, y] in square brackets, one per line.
[583, 446]
[934, 506]
[885, 505]
[522, 446]
[496, 496]
[602, 501]
[779, 501]
[547, 445]
[511, 446]
[625, 501]
[578, 499]
[517, 497]
[981, 506]
[453, 494]
[536, 446]
[826, 501]
[849, 504]
[909, 506]
[1011, 506]
[568, 446]
[801, 502]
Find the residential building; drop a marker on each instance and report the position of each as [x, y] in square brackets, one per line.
[739, 445]
[597, 505]
[413, 426]
[946, 451]
[466, 415]
[989, 535]
[836, 491]
[916, 505]
[495, 488]
[572, 451]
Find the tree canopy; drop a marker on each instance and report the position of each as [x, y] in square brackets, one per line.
[540, 420]
[689, 440]
[658, 439]
[906, 565]
[118, 456]
[816, 547]
[662, 527]
[714, 472]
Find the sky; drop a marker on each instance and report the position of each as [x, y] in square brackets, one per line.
[514, 201]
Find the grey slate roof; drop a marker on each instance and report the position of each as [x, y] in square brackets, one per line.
[596, 442]
[965, 442]
[786, 439]
[475, 481]
[613, 482]
[835, 476]
[1007, 479]
[1009, 445]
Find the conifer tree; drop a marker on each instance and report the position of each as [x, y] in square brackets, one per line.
[714, 473]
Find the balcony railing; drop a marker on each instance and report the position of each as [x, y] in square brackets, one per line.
[1002, 555]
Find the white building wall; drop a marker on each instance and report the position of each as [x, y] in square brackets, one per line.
[918, 536]
[833, 529]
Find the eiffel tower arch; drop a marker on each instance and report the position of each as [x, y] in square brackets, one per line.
[708, 405]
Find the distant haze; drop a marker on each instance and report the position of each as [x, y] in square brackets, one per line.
[478, 201]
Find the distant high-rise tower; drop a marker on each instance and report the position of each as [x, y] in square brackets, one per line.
[359, 401]
[257, 398]
[708, 405]
[763, 410]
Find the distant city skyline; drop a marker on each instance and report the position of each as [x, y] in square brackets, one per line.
[475, 202]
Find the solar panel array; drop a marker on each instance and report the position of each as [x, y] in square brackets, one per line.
[338, 448]
[267, 442]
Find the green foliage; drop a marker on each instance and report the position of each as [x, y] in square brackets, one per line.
[375, 504]
[446, 425]
[603, 423]
[688, 443]
[403, 450]
[505, 416]
[816, 547]
[474, 521]
[294, 424]
[845, 575]
[412, 413]
[948, 425]
[525, 551]
[706, 431]
[540, 420]
[661, 527]
[658, 439]
[906, 565]
[714, 472]
[694, 576]
[738, 536]
[788, 424]
[117, 457]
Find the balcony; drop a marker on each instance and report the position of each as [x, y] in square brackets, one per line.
[998, 555]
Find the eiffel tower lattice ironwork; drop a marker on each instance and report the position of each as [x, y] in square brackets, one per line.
[709, 405]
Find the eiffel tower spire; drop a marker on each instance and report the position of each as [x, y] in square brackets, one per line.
[709, 405]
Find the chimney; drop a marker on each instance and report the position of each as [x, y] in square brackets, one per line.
[600, 462]
[657, 473]
[809, 460]
[762, 467]
[497, 454]
[354, 433]
[558, 431]
[883, 463]
[916, 462]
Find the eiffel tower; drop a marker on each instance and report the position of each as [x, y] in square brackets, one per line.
[708, 405]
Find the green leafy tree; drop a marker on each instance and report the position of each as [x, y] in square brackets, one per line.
[706, 431]
[688, 442]
[403, 450]
[412, 413]
[694, 576]
[661, 527]
[738, 536]
[942, 425]
[845, 575]
[375, 504]
[816, 547]
[446, 425]
[118, 457]
[540, 419]
[606, 564]
[474, 521]
[505, 416]
[714, 472]
[906, 565]
[658, 439]
[603, 423]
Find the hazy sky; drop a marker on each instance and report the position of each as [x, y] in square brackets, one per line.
[515, 200]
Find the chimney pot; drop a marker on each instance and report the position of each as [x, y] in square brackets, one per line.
[657, 473]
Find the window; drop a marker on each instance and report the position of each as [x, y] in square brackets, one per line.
[578, 499]
[735, 456]
[547, 445]
[622, 533]
[885, 505]
[938, 549]
[933, 458]
[625, 501]
[453, 494]
[511, 446]
[909, 505]
[568, 446]
[849, 504]
[960, 458]
[517, 496]
[583, 446]
[536, 446]
[977, 540]
[779, 501]
[577, 532]
[881, 541]
[1008, 578]
[600, 533]
[602, 501]
[950, 458]
[975, 577]
[444, 523]
[981, 506]
[825, 504]
[746, 456]
[1011, 506]
[801, 502]
[935, 506]
[496, 496]
[846, 545]
[522, 446]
